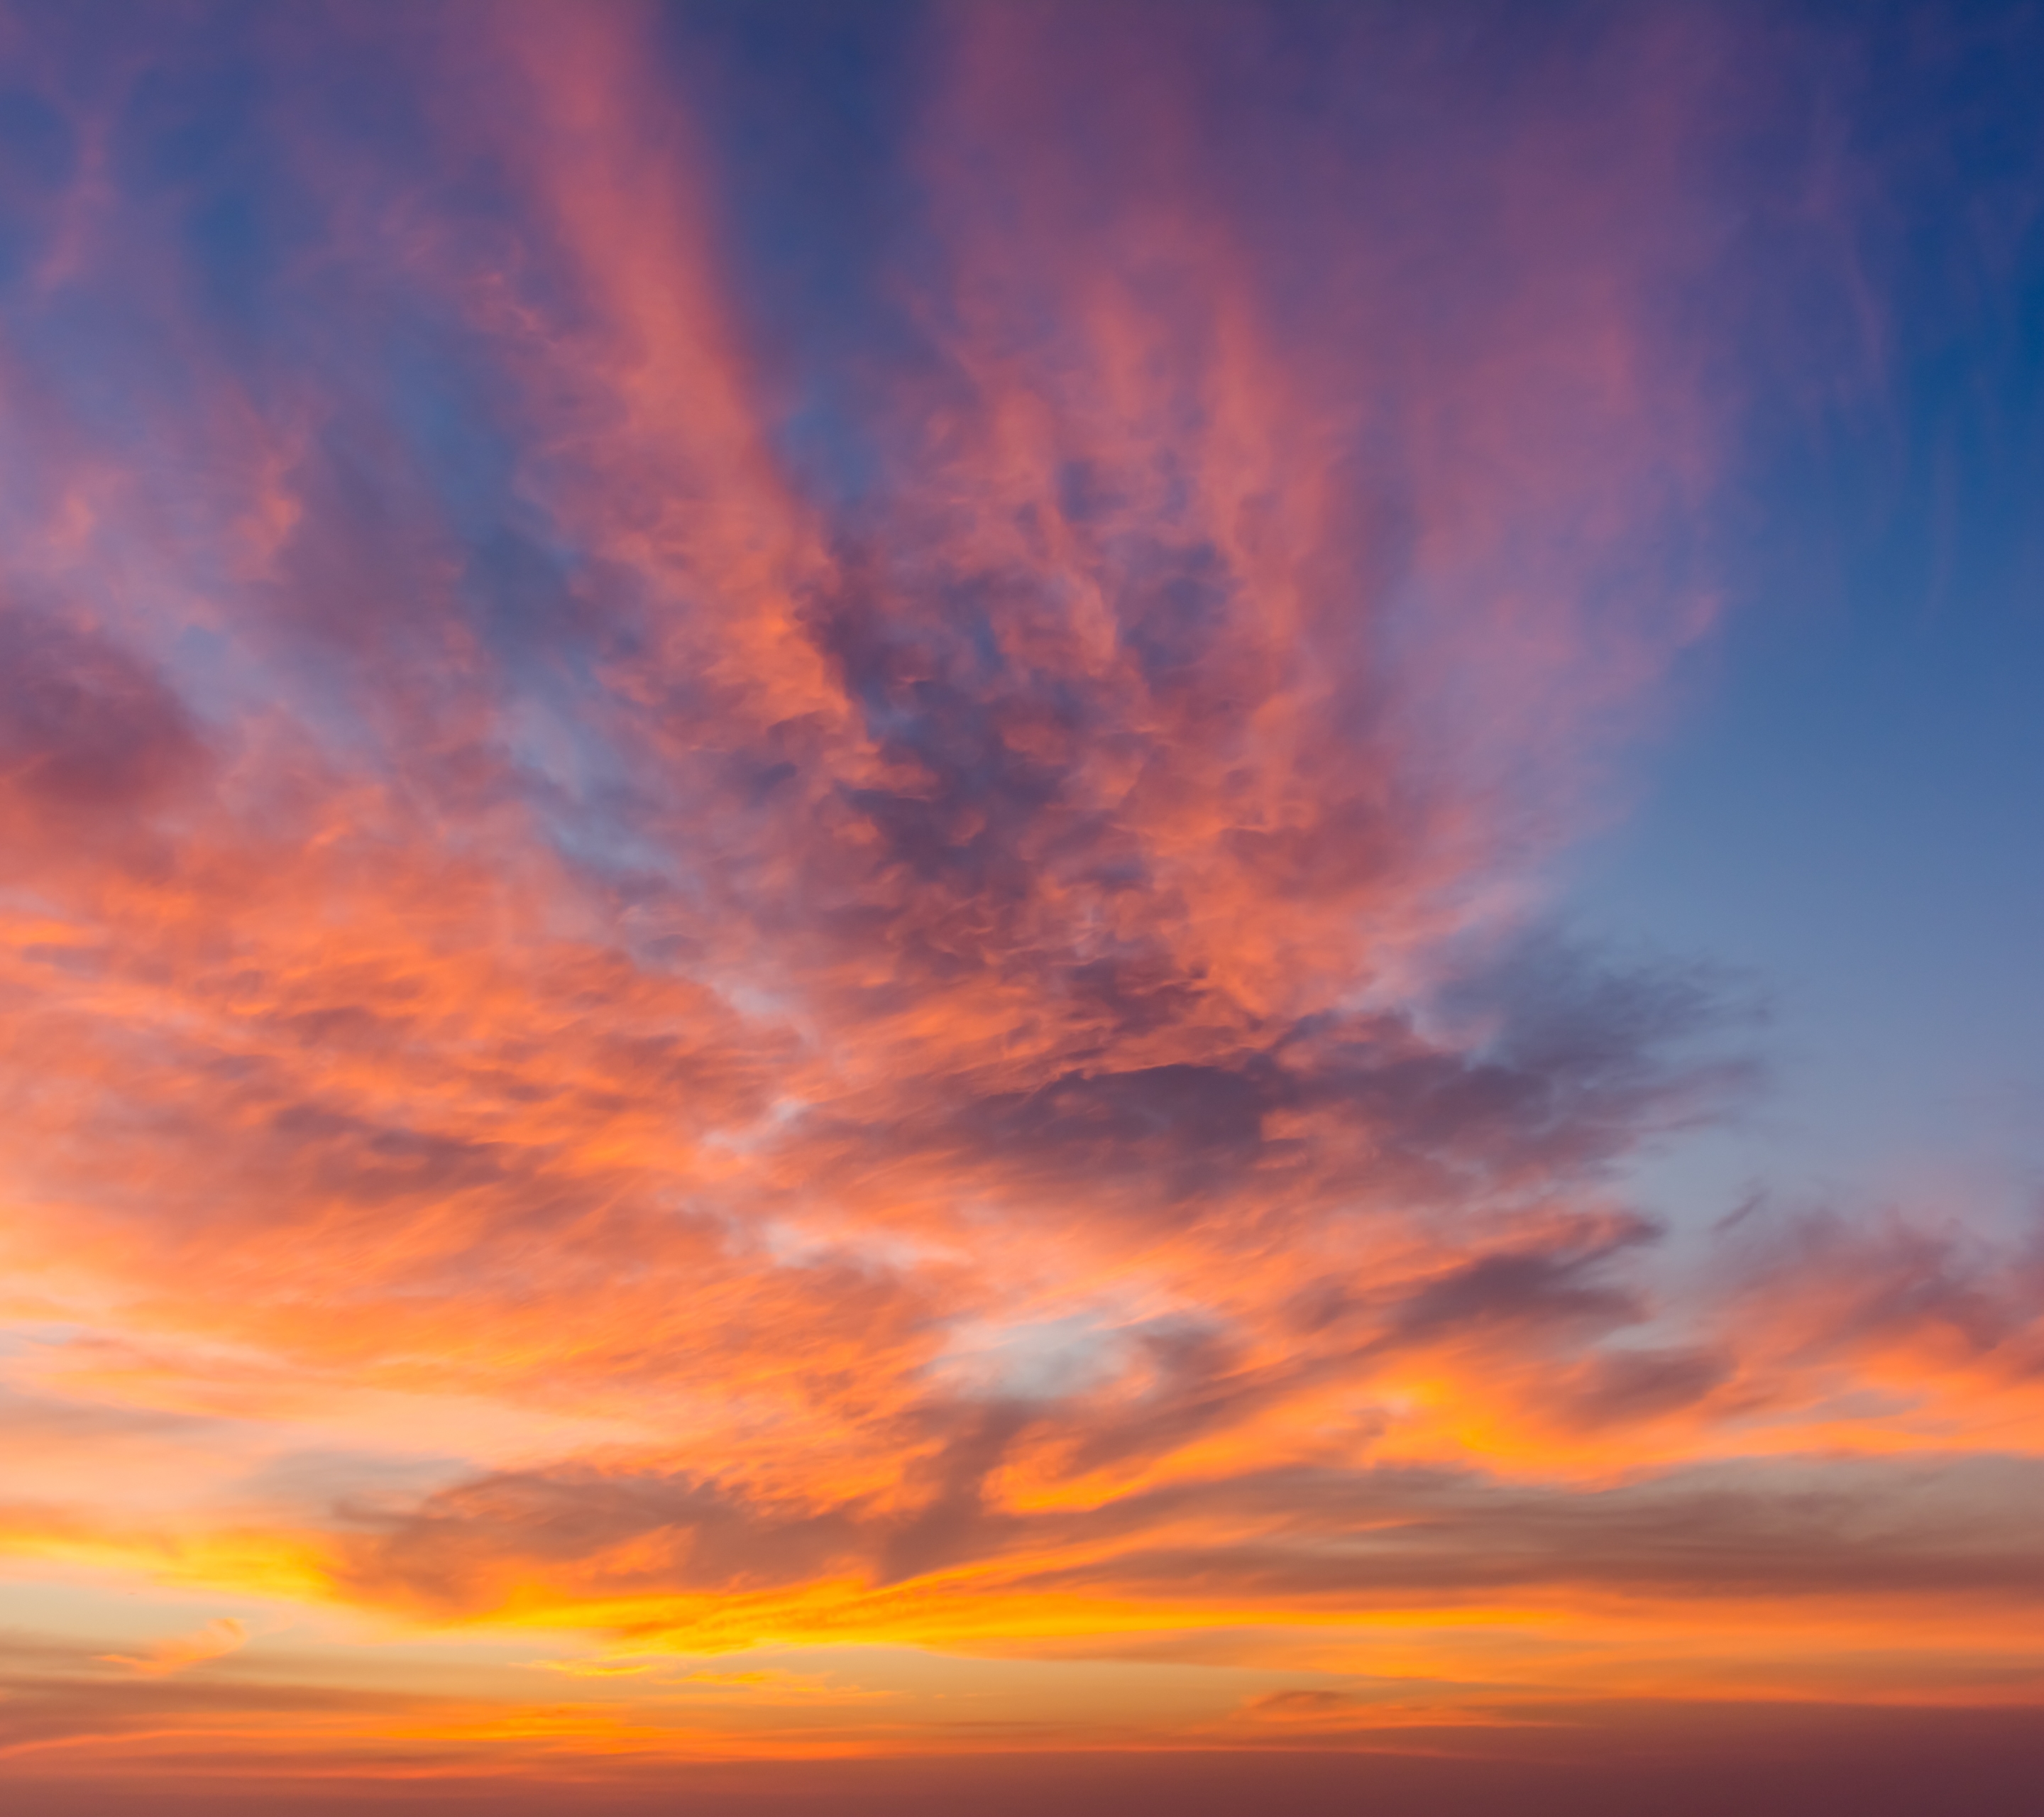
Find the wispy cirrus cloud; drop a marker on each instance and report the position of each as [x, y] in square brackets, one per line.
[855, 972]
[181, 1652]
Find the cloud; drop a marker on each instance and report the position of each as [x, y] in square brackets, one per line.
[629, 844]
[180, 1652]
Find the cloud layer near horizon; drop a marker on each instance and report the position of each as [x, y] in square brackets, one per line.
[766, 870]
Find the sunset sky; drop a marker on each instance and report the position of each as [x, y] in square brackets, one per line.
[1005, 906]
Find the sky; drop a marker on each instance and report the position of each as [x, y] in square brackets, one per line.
[1117, 905]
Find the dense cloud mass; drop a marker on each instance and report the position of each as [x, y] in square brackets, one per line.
[768, 845]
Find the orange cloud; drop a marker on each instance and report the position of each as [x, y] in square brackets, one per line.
[216, 1639]
[672, 989]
